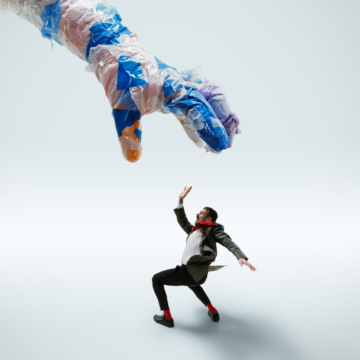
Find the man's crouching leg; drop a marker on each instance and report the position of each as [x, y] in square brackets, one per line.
[201, 295]
[159, 289]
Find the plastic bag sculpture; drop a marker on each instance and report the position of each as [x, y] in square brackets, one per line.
[135, 82]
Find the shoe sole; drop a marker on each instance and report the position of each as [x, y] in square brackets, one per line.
[167, 325]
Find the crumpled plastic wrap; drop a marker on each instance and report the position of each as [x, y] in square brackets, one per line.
[135, 82]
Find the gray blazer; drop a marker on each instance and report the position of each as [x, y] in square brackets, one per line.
[199, 265]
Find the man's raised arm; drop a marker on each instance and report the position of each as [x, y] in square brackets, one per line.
[180, 212]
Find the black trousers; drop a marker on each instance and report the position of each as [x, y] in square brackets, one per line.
[177, 277]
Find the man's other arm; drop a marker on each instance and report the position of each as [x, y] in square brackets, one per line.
[225, 240]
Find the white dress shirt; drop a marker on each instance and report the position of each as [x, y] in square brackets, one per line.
[192, 245]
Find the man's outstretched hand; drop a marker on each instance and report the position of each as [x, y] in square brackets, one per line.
[242, 262]
[182, 196]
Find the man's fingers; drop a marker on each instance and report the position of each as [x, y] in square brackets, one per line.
[244, 262]
[187, 190]
[250, 266]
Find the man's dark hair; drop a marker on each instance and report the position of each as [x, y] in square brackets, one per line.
[211, 213]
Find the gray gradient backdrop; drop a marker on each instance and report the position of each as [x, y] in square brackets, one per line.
[82, 231]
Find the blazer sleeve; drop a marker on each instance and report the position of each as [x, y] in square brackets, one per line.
[182, 220]
[225, 240]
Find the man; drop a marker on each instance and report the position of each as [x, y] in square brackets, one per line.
[199, 253]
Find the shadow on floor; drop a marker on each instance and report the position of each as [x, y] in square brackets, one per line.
[242, 338]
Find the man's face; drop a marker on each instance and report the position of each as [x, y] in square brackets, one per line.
[202, 216]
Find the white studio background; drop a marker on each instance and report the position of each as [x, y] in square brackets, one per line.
[82, 231]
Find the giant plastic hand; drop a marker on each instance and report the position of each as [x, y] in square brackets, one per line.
[135, 82]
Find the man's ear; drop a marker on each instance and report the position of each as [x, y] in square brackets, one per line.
[208, 219]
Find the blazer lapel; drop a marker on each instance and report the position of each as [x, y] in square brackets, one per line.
[203, 237]
[205, 247]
